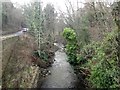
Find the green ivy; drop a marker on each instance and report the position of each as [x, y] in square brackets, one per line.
[71, 47]
[102, 62]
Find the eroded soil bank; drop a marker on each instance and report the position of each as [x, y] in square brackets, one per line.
[22, 69]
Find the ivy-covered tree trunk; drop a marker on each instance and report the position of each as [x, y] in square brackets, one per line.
[38, 22]
[34, 16]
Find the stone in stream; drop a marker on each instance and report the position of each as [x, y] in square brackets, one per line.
[45, 72]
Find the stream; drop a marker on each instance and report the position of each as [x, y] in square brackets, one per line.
[62, 74]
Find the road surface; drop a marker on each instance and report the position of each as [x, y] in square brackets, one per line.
[11, 35]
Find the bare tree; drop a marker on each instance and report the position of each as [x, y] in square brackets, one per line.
[11, 17]
[49, 21]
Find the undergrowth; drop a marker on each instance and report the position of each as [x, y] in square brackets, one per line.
[100, 58]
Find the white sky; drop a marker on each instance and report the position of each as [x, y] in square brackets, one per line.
[59, 4]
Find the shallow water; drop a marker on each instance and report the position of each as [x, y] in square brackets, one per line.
[62, 74]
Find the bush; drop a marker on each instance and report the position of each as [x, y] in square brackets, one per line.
[41, 54]
[70, 35]
[102, 61]
[71, 47]
[105, 74]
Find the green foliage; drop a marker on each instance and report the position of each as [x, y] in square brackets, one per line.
[69, 35]
[102, 61]
[71, 47]
[41, 54]
[81, 59]
[71, 52]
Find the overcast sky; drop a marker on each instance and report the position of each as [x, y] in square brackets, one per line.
[59, 4]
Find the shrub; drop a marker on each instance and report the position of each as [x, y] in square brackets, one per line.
[71, 47]
[102, 61]
[41, 54]
[70, 35]
[105, 74]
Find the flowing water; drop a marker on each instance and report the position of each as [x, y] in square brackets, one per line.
[62, 74]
